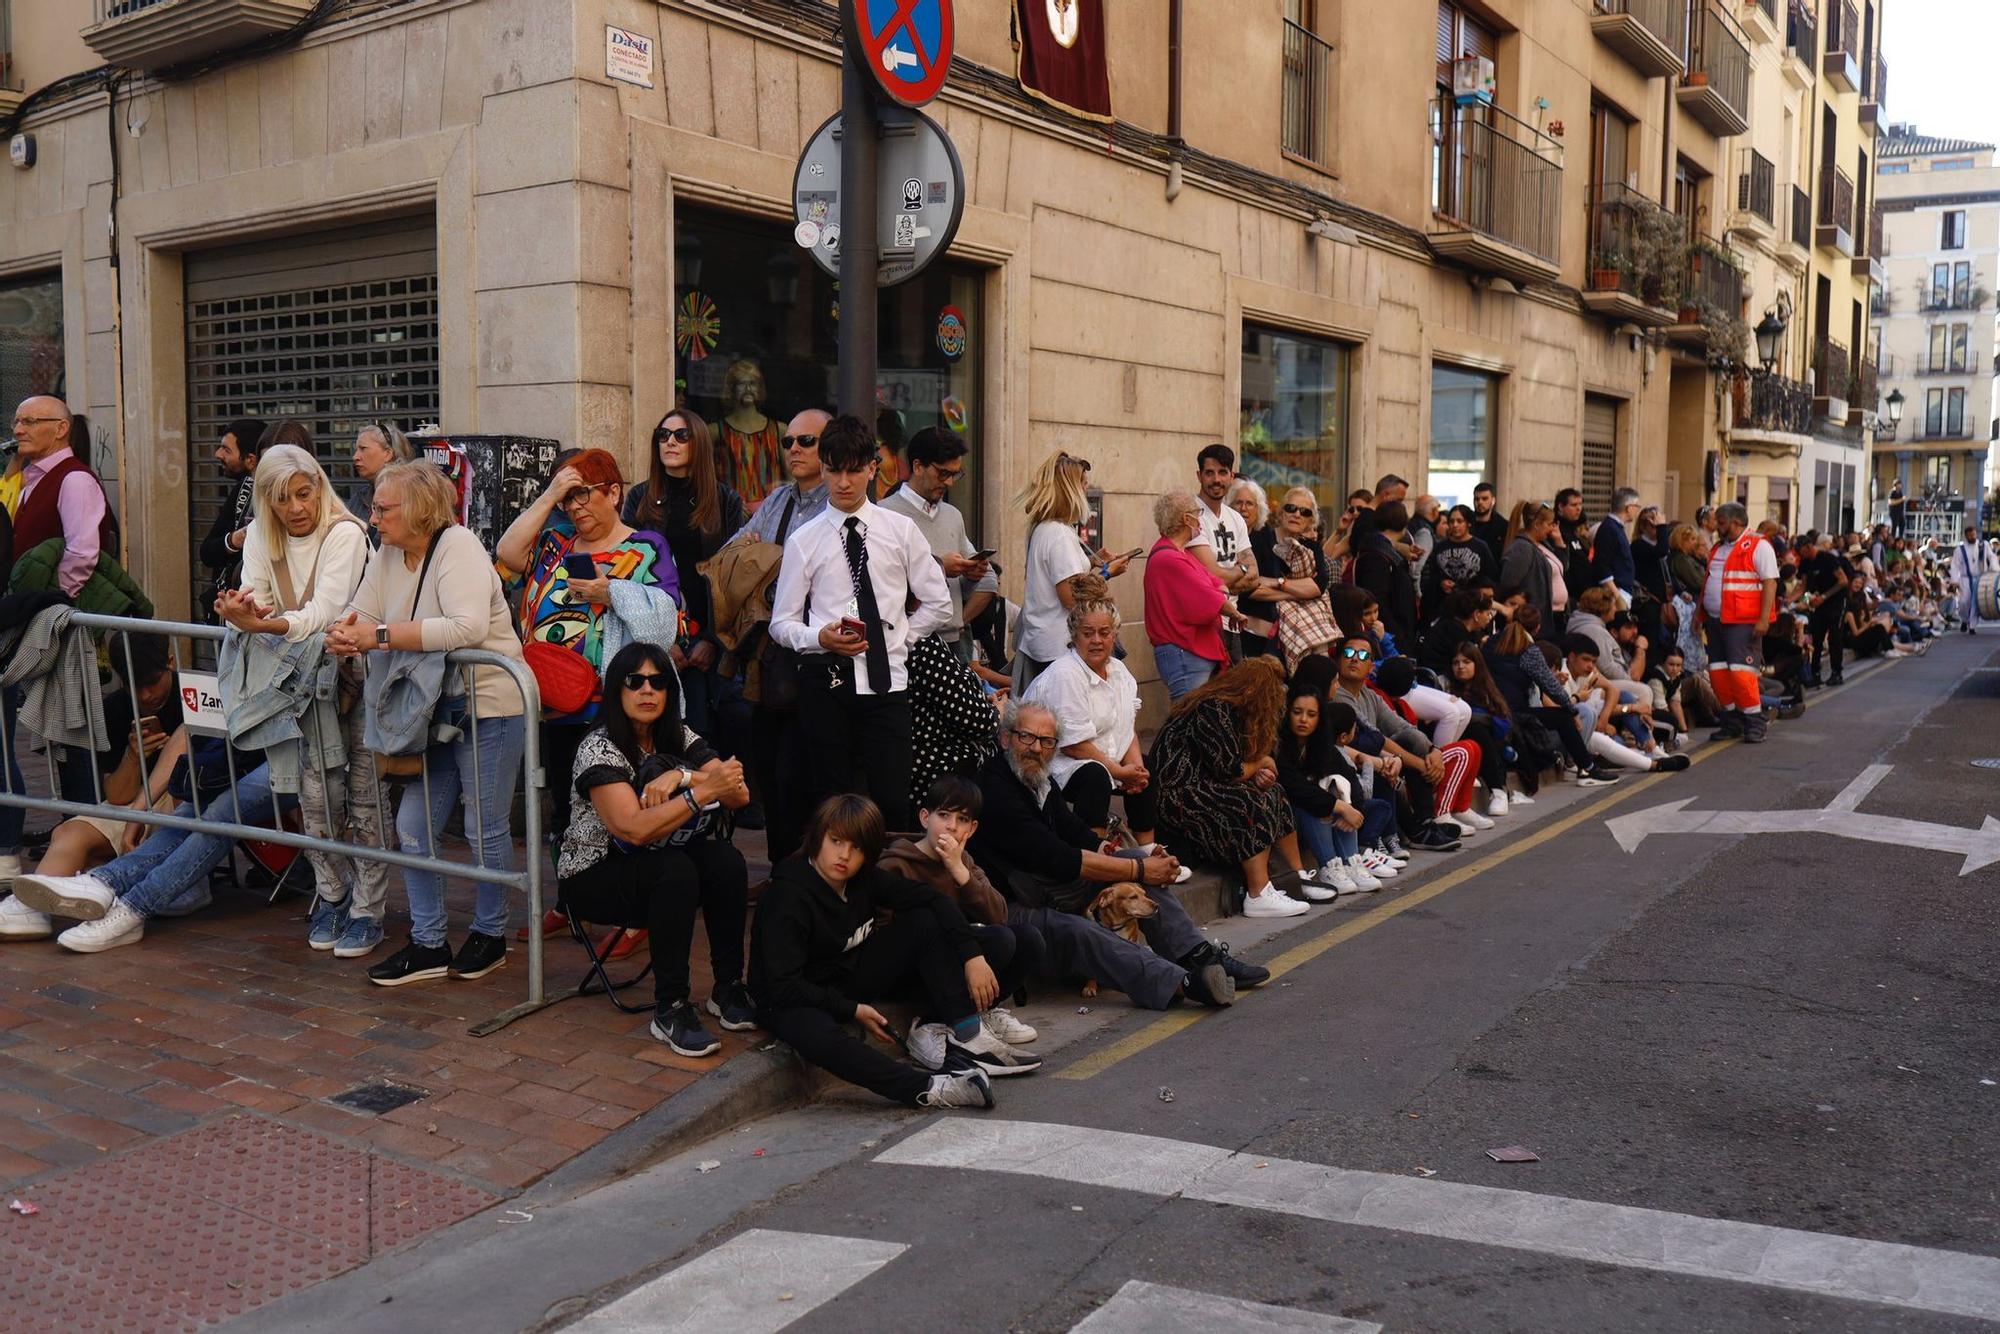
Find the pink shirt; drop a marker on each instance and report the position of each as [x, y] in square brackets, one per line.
[80, 505]
[1182, 602]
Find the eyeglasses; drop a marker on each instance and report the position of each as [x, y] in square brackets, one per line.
[679, 434]
[640, 680]
[799, 441]
[948, 474]
[1357, 654]
[30, 421]
[379, 510]
[1301, 511]
[582, 493]
[1036, 740]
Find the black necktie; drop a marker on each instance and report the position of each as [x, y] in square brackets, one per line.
[864, 602]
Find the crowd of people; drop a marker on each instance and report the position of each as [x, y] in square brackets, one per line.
[954, 789]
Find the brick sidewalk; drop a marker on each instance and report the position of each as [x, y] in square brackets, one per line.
[104, 1057]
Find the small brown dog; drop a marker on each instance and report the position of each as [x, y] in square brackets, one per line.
[1120, 908]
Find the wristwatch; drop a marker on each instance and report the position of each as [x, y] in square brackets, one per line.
[382, 636]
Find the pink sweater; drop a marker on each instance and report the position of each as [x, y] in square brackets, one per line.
[1183, 602]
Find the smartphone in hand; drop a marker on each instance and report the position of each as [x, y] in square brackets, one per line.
[859, 629]
[580, 565]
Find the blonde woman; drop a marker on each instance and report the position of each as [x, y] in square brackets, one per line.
[431, 588]
[376, 446]
[302, 562]
[1057, 503]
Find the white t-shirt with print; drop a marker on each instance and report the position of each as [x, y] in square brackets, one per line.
[1226, 533]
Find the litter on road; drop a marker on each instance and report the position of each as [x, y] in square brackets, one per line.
[1513, 1153]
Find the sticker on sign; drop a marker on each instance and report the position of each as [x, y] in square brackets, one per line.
[201, 704]
[906, 232]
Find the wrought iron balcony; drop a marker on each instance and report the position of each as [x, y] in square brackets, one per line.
[154, 34]
[1875, 95]
[1637, 258]
[1832, 370]
[1867, 262]
[1646, 32]
[1496, 192]
[1756, 195]
[1770, 404]
[1836, 211]
[1716, 88]
[1761, 19]
[1308, 96]
[1843, 46]
[1802, 42]
[1800, 234]
[1711, 303]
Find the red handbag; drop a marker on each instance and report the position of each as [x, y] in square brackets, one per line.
[567, 681]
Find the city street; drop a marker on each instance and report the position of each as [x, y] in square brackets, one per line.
[1757, 1068]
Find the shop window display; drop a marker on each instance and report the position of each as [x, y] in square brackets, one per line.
[756, 340]
[1292, 424]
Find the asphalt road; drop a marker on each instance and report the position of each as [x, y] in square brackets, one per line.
[1792, 1031]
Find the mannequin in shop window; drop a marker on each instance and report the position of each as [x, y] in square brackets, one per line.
[748, 454]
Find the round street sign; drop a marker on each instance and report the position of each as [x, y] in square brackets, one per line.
[920, 194]
[906, 45]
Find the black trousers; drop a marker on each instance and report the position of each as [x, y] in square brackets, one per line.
[1015, 953]
[661, 889]
[909, 952]
[559, 747]
[1089, 792]
[777, 775]
[855, 742]
[1492, 756]
[1828, 626]
[1563, 724]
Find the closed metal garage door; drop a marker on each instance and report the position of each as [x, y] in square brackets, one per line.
[330, 329]
[1600, 452]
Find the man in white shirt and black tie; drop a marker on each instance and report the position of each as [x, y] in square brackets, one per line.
[844, 600]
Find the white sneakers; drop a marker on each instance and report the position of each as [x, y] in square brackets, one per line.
[1269, 902]
[118, 926]
[1003, 1025]
[1379, 864]
[1320, 886]
[83, 897]
[1365, 880]
[1496, 802]
[20, 922]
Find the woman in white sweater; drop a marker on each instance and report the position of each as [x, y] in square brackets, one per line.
[303, 559]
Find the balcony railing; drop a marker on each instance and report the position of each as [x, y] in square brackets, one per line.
[1836, 210]
[1716, 88]
[1648, 33]
[1875, 91]
[1308, 96]
[1870, 242]
[1802, 229]
[1500, 177]
[1771, 403]
[1712, 281]
[1802, 32]
[1770, 8]
[1861, 386]
[1843, 49]
[1638, 241]
[1757, 186]
[1831, 369]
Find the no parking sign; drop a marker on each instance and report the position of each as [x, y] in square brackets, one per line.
[906, 45]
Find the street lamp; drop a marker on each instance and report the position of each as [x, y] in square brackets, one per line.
[1769, 330]
[1895, 405]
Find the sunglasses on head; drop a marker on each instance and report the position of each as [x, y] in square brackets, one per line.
[799, 441]
[638, 680]
[1303, 511]
[1073, 460]
[1357, 654]
[681, 434]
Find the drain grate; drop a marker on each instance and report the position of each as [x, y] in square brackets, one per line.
[378, 1096]
[1986, 764]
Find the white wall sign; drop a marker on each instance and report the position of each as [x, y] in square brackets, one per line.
[201, 704]
[628, 56]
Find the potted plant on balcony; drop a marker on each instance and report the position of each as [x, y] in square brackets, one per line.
[1660, 253]
[1608, 269]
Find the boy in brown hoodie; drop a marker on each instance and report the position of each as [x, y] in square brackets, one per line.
[950, 816]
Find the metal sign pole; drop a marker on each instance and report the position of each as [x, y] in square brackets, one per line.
[860, 259]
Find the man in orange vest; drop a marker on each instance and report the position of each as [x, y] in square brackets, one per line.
[1740, 598]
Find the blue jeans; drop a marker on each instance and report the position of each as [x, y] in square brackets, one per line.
[451, 768]
[1181, 670]
[168, 873]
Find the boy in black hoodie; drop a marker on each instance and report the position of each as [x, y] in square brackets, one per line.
[817, 954]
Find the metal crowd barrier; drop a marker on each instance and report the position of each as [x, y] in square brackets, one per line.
[528, 879]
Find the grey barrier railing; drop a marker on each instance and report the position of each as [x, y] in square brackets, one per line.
[528, 879]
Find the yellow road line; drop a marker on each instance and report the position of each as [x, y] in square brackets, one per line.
[1176, 1020]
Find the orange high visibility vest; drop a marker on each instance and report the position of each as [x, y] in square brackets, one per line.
[1742, 588]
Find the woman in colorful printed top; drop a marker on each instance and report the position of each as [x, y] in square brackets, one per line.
[560, 611]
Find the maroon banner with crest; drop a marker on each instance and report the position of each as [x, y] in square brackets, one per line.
[1061, 56]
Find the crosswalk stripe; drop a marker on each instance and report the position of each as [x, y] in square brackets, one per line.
[1849, 1268]
[1155, 1308]
[756, 1283]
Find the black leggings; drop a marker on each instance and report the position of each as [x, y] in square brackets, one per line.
[1089, 792]
[660, 889]
[1492, 756]
[909, 951]
[1563, 723]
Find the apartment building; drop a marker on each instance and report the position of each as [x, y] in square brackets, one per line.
[1519, 243]
[1940, 200]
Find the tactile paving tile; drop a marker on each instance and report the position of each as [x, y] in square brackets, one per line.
[192, 1230]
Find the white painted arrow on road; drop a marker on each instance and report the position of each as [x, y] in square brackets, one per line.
[1980, 847]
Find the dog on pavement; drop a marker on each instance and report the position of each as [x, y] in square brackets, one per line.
[1119, 908]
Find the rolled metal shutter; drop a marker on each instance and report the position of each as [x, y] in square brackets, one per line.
[330, 329]
[1600, 452]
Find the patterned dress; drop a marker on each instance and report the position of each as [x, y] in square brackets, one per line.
[753, 462]
[954, 726]
[550, 615]
[1207, 813]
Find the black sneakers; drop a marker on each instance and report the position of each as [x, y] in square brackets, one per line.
[412, 963]
[1208, 982]
[679, 1026]
[1433, 838]
[1667, 764]
[1245, 975]
[478, 956]
[730, 1003]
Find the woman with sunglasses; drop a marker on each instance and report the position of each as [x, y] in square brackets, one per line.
[647, 841]
[566, 619]
[1296, 577]
[697, 512]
